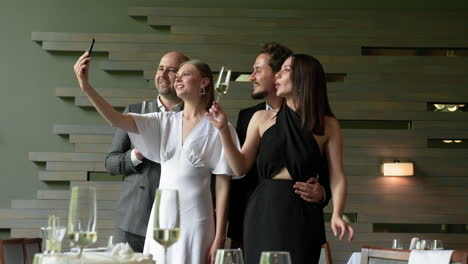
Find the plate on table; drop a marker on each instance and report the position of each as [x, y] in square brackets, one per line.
[98, 249]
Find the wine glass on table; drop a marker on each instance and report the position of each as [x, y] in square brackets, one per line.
[166, 212]
[229, 256]
[82, 217]
[222, 84]
[275, 257]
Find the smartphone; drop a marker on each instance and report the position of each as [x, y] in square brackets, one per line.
[90, 49]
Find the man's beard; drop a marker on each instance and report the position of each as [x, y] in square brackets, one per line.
[258, 96]
[167, 93]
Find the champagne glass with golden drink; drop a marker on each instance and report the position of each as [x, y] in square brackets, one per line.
[82, 217]
[222, 84]
[166, 212]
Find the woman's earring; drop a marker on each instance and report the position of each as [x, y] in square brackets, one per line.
[202, 91]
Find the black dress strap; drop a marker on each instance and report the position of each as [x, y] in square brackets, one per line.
[301, 151]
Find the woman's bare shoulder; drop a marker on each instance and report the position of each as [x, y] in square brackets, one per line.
[331, 125]
[263, 115]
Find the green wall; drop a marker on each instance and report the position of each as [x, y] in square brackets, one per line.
[29, 75]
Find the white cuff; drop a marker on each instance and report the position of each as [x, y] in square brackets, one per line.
[135, 160]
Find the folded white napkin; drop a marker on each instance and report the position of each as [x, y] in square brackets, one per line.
[430, 256]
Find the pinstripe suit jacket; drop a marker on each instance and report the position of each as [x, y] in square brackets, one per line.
[140, 182]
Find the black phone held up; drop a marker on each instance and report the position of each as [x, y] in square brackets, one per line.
[90, 50]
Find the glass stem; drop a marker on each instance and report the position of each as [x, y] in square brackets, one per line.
[81, 252]
[165, 255]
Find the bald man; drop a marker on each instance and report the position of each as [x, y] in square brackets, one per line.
[141, 176]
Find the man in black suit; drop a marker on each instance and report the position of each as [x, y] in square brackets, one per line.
[141, 175]
[267, 64]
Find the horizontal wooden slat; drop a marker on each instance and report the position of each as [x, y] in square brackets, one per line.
[115, 102]
[90, 139]
[92, 148]
[37, 223]
[65, 195]
[44, 213]
[412, 218]
[100, 186]
[83, 129]
[75, 166]
[63, 176]
[55, 204]
[66, 156]
[107, 92]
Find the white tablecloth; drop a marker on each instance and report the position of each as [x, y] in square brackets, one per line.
[355, 258]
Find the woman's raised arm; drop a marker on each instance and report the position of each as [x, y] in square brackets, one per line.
[240, 161]
[113, 117]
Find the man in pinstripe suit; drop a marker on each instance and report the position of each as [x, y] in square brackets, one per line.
[141, 175]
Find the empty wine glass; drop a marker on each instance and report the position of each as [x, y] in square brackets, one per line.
[229, 256]
[166, 212]
[275, 257]
[397, 244]
[426, 244]
[82, 217]
[221, 86]
[437, 245]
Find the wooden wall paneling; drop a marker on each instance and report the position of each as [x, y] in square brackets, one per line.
[440, 125]
[89, 139]
[55, 204]
[64, 129]
[382, 138]
[75, 166]
[316, 23]
[65, 195]
[63, 176]
[83, 101]
[151, 43]
[460, 154]
[106, 92]
[412, 218]
[100, 186]
[65, 156]
[92, 148]
[115, 37]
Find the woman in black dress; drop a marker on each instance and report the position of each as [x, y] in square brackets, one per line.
[301, 140]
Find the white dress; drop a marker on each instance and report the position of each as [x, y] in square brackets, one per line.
[188, 168]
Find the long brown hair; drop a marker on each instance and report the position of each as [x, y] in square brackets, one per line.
[310, 92]
[205, 72]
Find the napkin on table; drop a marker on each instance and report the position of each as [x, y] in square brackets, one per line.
[430, 256]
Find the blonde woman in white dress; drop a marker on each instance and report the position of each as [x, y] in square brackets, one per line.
[189, 149]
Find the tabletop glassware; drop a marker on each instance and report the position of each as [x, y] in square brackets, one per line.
[166, 212]
[437, 244]
[229, 256]
[396, 244]
[275, 257]
[82, 217]
[425, 244]
[222, 86]
[47, 236]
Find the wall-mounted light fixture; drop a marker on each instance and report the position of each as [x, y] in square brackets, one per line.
[398, 168]
[443, 107]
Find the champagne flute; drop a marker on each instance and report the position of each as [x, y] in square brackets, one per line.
[82, 217]
[221, 86]
[229, 256]
[275, 257]
[166, 212]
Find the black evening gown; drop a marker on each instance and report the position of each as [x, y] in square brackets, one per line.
[277, 219]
